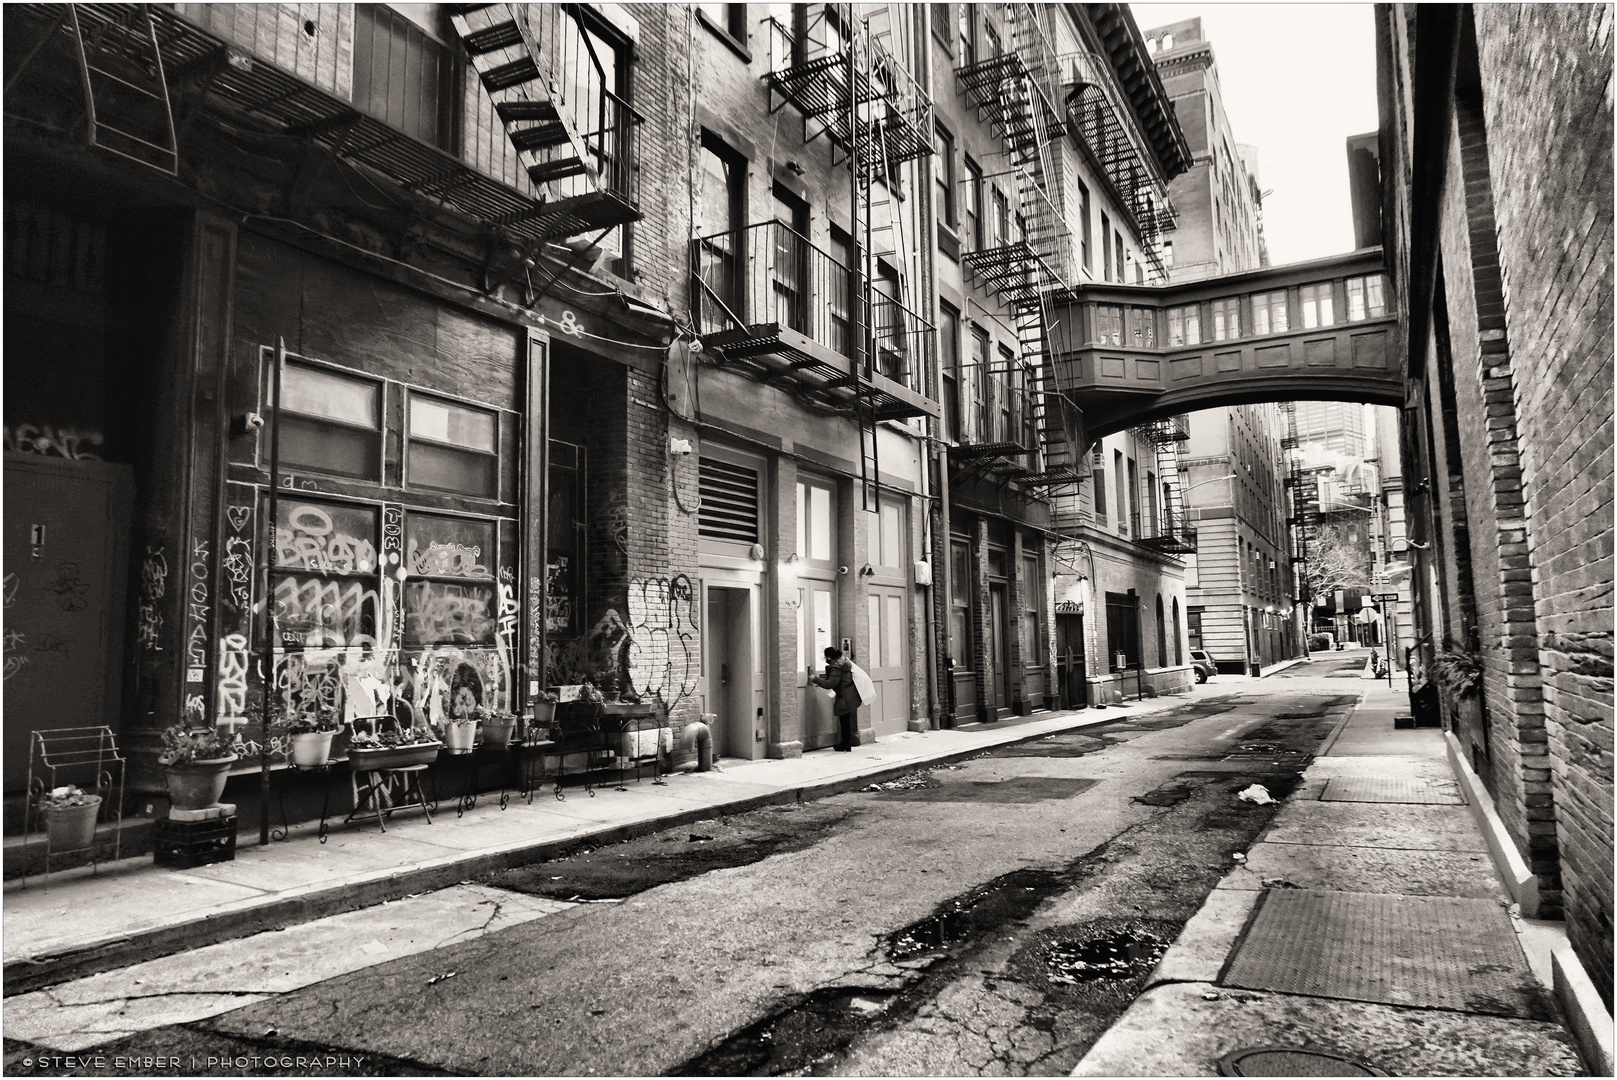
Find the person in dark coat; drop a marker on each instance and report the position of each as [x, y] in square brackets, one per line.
[838, 678]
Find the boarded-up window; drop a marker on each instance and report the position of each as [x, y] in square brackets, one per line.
[403, 76]
[729, 502]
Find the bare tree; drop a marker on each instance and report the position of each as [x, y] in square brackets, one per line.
[1334, 562]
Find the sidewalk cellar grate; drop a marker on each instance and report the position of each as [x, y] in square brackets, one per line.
[1291, 1061]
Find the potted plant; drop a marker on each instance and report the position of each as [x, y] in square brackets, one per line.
[196, 762]
[69, 817]
[544, 710]
[371, 752]
[1458, 675]
[497, 727]
[311, 739]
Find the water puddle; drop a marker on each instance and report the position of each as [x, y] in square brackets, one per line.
[815, 1030]
[1119, 956]
[964, 918]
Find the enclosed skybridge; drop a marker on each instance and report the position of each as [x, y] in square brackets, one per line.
[1128, 355]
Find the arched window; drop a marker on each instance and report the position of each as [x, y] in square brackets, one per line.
[1162, 636]
[1167, 41]
[1178, 638]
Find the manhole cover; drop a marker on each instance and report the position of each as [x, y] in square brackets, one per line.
[1291, 1061]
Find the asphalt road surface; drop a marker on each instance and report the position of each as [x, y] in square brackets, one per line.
[988, 917]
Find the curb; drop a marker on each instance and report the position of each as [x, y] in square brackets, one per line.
[27, 974]
[1513, 870]
[1586, 1013]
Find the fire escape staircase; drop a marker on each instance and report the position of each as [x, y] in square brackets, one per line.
[540, 124]
[1013, 92]
[1303, 489]
[1172, 532]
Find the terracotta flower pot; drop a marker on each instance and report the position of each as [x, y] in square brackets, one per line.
[312, 748]
[197, 785]
[71, 828]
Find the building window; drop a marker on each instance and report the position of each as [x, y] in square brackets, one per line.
[1226, 319]
[1269, 313]
[1184, 326]
[729, 501]
[406, 78]
[940, 23]
[838, 292]
[1143, 327]
[1108, 324]
[972, 233]
[1105, 246]
[1098, 481]
[949, 355]
[453, 447]
[1318, 306]
[1178, 636]
[790, 271]
[730, 18]
[1122, 632]
[1088, 226]
[1133, 498]
[815, 524]
[1032, 628]
[326, 576]
[1365, 298]
[1007, 421]
[893, 536]
[1122, 492]
[1162, 635]
[967, 53]
[1167, 253]
[1000, 222]
[721, 218]
[450, 596]
[329, 423]
[977, 381]
[1193, 626]
[944, 171]
[1118, 255]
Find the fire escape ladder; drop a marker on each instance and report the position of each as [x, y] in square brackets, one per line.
[1300, 487]
[538, 120]
[1171, 532]
[1055, 451]
[125, 92]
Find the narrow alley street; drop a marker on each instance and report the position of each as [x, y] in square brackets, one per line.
[1021, 898]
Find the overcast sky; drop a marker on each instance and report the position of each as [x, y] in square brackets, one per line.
[1297, 79]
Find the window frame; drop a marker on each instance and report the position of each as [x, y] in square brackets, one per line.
[491, 580]
[277, 572]
[378, 455]
[409, 438]
[971, 232]
[948, 211]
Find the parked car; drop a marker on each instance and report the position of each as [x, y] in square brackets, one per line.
[1203, 665]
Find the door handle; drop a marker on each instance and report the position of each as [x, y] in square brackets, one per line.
[724, 674]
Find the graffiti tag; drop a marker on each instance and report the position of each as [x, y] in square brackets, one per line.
[50, 440]
[69, 588]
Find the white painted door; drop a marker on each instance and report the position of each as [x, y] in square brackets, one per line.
[887, 660]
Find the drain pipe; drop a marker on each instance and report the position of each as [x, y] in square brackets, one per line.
[701, 734]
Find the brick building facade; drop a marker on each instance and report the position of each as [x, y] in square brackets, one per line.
[1496, 158]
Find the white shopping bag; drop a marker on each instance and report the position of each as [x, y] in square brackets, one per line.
[864, 684]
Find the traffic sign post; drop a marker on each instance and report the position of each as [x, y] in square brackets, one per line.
[1391, 626]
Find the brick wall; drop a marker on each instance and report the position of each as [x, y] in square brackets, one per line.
[1545, 73]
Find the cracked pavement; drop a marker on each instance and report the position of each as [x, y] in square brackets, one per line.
[758, 943]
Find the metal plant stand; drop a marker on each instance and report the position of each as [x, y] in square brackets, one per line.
[69, 756]
[325, 800]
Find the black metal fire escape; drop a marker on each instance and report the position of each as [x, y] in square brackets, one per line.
[1171, 532]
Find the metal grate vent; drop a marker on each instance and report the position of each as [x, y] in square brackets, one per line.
[729, 508]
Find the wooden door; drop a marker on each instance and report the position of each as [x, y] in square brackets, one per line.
[66, 533]
[817, 630]
[1071, 676]
[887, 659]
[999, 688]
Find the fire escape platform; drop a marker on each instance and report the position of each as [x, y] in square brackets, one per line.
[785, 353]
[255, 93]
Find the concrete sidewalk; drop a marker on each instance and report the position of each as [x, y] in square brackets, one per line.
[1369, 924]
[78, 922]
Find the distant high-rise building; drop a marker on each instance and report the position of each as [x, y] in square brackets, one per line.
[1238, 585]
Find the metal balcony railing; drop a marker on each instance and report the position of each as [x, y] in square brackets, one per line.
[753, 284]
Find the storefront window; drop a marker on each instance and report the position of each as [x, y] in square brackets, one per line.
[330, 422]
[450, 596]
[326, 575]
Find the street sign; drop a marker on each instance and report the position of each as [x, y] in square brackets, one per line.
[1385, 598]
